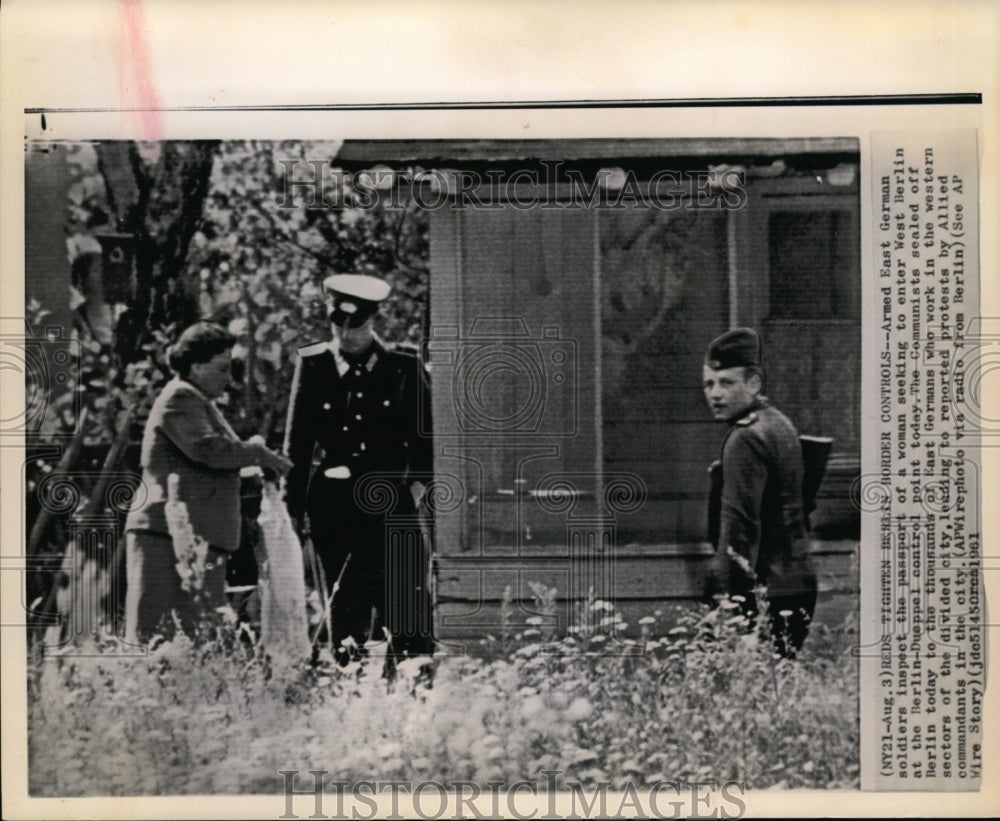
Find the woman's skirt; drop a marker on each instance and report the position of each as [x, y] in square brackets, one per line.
[155, 603]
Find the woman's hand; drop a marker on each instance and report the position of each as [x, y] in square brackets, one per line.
[276, 462]
[269, 459]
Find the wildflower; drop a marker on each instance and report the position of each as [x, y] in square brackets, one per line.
[593, 774]
[647, 620]
[389, 749]
[190, 549]
[410, 668]
[533, 705]
[228, 615]
[579, 709]
[175, 651]
[528, 651]
[577, 755]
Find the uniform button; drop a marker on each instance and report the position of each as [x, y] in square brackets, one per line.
[354, 456]
[345, 427]
[357, 372]
[362, 446]
[358, 417]
[326, 406]
[386, 403]
[360, 395]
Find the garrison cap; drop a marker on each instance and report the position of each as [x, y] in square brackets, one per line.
[354, 297]
[737, 348]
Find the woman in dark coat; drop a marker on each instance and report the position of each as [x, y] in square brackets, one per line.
[187, 437]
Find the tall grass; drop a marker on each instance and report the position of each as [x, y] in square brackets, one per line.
[706, 700]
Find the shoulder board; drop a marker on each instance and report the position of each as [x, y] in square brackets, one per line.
[313, 349]
[747, 420]
[406, 357]
[403, 348]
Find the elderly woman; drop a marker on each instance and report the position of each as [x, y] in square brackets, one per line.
[187, 436]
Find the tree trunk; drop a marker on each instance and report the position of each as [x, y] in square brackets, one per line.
[160, 205]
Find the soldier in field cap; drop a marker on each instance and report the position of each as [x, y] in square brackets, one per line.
[761, 528]
[365, 405]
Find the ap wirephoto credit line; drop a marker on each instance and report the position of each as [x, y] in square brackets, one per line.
[933, 356]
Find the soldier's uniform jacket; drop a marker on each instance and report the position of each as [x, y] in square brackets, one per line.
[365, 413]
[762, 517]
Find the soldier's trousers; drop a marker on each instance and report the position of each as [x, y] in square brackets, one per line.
[789, 617]
[385, 583]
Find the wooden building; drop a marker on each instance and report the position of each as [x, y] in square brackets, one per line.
[575, 285]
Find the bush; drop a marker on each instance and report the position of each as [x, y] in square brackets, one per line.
[706, 700]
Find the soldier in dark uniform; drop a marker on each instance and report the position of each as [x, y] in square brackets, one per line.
[762, 532]
[365, 406]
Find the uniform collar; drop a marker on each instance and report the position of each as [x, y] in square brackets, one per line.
[374, 352]
[757, 404]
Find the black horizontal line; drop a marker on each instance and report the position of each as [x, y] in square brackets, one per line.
[962, 98]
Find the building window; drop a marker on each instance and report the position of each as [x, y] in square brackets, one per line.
[812, 274]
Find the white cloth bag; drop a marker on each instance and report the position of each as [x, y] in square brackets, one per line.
[283, 620]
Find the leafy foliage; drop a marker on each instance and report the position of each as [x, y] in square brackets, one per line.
[704, 700]
[251, 251]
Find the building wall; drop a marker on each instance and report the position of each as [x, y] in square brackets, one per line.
[636, 295]
[664, 287]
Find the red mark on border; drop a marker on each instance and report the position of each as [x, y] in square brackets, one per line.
[136, 78]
